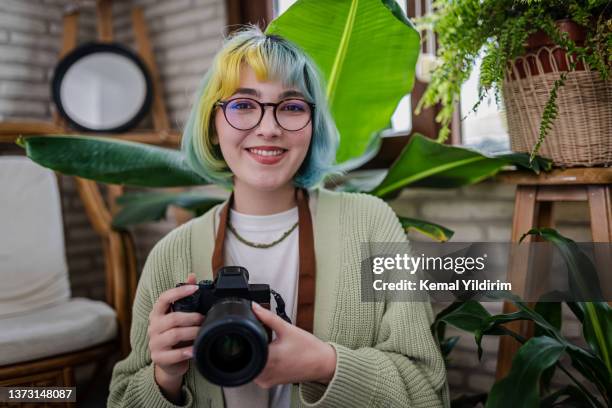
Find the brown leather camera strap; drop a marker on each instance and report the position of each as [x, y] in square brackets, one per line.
[306, 283]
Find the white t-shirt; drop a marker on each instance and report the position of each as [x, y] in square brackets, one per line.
[277, 266]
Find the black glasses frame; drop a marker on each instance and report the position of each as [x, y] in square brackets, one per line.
[262, 105]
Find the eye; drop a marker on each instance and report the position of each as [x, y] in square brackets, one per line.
[242, 105]
[294, 106]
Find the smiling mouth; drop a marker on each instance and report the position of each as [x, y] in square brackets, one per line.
[266, 153]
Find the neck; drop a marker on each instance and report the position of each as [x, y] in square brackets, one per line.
[251, 201]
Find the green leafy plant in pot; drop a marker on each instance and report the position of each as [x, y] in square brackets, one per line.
[528, 382]
[551, 61]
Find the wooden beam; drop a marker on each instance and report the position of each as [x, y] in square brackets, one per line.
[10, 131]
[591, 175]
[141, 33]
[523, 220]
[240, 12]
[562, 193]
[104, 14]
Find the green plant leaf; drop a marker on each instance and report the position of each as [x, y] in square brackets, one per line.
[468, 315]
[425, 163]
[551, 311]
[112, 161]
[430, 229]
[523, 160]
[520, 388]
[597, 316]
[589, 364]
[366, 52]
[150, 206]
[357, 181]
[492, 326]
[574, 398]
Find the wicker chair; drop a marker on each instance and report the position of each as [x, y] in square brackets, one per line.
[44, 333]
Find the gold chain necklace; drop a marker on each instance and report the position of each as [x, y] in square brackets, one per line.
[256, 244]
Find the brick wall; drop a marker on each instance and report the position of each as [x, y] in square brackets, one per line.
[185, 35]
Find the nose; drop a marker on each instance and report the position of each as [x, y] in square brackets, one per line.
[268, 125]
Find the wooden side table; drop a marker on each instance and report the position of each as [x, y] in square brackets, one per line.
[533, 208]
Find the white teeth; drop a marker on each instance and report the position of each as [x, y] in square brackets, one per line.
[266, 152]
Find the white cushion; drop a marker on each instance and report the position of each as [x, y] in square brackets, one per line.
[69, 326]
[33, 266]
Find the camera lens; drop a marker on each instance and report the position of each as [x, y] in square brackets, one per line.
[231, 351]
[231, 348]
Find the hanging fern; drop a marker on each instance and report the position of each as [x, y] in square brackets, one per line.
[549, 114]
[497, 30]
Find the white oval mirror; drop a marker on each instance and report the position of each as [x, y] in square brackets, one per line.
[101, 87]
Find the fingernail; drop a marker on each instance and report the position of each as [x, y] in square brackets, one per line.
[256, 305]
[188, 353]
[190, 288]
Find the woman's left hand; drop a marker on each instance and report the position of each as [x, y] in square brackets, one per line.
[295, 355]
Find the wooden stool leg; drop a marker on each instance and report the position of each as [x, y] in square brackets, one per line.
[600, 209]
[523, 220]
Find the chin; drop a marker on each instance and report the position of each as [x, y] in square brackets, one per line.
[266, 184]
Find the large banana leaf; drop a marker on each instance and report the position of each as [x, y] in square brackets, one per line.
[152, 206]
[434, 231]
[367, 51]
[426, 163]
[111, 161]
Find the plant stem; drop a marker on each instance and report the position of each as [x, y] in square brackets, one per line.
[579, 385]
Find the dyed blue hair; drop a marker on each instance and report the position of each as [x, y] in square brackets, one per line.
[271, 57]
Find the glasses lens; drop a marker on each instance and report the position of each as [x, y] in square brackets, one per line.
[293, 114]
[242, 113]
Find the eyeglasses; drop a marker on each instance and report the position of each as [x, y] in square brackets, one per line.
[247, 113]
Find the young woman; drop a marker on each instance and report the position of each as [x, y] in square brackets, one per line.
[260, 125]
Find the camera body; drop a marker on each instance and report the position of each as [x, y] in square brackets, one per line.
[231, 347]
[231, 282]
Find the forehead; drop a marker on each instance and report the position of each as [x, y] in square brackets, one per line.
[264, 86]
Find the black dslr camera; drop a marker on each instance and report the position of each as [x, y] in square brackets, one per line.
[231, 347]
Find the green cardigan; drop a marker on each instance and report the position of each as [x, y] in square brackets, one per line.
[386, 355]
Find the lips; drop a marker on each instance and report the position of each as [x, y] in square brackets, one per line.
[266, 154]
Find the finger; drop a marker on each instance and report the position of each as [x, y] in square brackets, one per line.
[172, 337]
[173, 356]
[176, 319]
[191, 279]
[270, 319]
[170, 296]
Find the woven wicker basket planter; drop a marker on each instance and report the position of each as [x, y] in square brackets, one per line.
[581, 134]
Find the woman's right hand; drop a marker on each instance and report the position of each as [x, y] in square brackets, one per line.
[167, 329]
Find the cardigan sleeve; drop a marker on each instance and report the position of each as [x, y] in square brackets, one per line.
[133, 382]
[403, 368]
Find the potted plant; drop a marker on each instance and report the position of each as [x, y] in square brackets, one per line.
[551, 61]
[533, 366]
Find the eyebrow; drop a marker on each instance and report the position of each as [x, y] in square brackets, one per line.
[254, 92]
